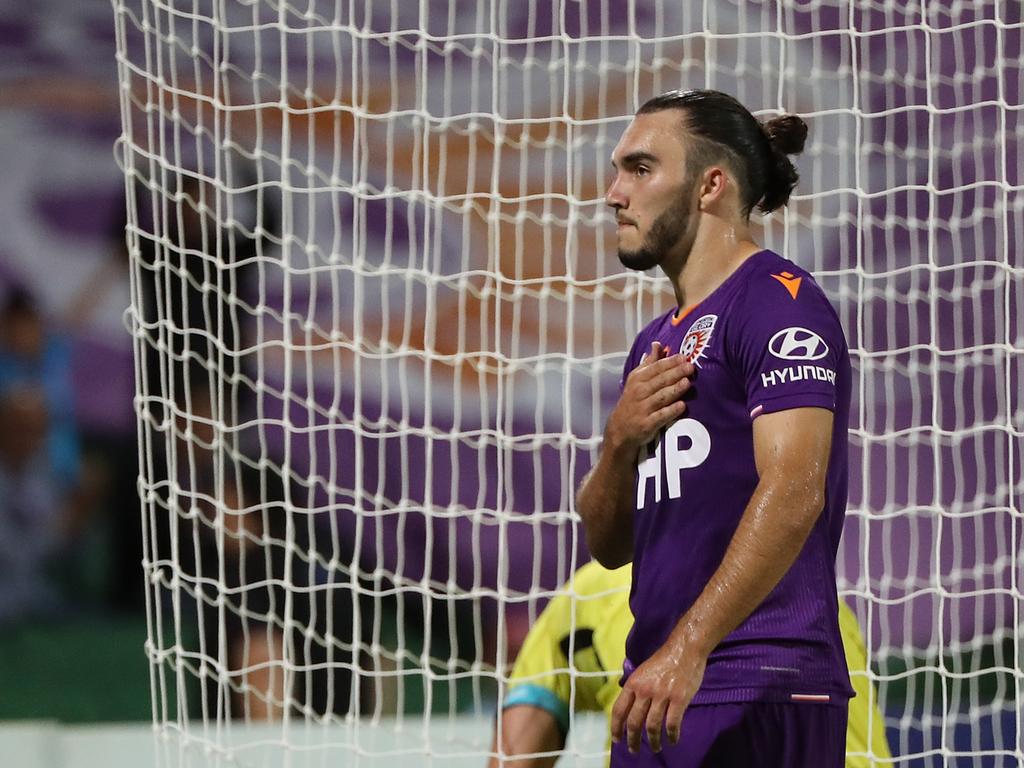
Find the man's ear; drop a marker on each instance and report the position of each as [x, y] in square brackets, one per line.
[713, 184]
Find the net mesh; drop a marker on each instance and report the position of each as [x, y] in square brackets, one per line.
[378, 329]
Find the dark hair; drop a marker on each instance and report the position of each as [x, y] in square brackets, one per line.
[757, 151]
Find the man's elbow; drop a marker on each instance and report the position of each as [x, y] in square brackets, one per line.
[805, 509]
[611, 560]
[608, 532]
[610, 552]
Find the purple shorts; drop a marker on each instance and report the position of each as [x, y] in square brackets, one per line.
[761, 734]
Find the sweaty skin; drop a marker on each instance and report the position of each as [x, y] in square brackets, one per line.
[527, 733]
[599, 601]
[651, 399]
[791, 449]
[712, 239]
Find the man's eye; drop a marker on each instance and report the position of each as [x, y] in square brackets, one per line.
[642, 170]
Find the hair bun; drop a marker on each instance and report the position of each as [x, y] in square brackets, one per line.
[786, 134]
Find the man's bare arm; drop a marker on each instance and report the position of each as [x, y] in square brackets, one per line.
[791, 450]
[526, 730]
[651, 399]
[605, 502]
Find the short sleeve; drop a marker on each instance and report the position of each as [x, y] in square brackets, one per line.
[540, 676]
[788, 345]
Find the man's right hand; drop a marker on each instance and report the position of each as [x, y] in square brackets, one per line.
[651, 399]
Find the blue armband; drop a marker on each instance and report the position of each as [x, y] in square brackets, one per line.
[539, 696]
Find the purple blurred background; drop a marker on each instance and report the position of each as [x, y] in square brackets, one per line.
[456, 326]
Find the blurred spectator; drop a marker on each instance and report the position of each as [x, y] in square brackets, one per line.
[256, 555]
[253, 558]
[196, 277]
[193, 277]
[45, 497]
[32, 356]
[34, 518]
[36, 364]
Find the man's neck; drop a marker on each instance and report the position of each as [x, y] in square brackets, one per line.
[718, 251]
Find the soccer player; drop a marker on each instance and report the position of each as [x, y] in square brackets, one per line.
[722, 475]
[572, 659]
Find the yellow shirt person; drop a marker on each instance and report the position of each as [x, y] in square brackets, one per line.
[590, 627]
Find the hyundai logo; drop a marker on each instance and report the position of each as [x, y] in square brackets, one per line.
[798, 344]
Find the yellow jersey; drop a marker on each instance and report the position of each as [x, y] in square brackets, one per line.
[588, 625]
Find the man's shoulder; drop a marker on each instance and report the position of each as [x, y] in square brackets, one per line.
[777, 291]
[774, 279]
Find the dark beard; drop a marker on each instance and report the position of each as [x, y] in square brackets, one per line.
[666, 231]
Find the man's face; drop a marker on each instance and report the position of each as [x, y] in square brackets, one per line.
[651, 192]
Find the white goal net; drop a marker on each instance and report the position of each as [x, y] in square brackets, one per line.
[379, 324]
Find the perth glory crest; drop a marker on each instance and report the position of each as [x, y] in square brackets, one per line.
[697, 338]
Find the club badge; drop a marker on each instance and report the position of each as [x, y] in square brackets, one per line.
[697, 338]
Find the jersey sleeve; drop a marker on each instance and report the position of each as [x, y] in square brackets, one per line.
[788, 345]
[587, 625]
[540, 677]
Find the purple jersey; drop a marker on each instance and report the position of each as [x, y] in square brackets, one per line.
[750, 734]
[766, 340]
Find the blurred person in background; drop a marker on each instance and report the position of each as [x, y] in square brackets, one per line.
[572, 660]
[253, 550]
[36, 357]
[46, 499]
[197, 278]
[35, 516]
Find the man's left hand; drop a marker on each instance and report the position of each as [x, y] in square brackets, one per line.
[657, 694]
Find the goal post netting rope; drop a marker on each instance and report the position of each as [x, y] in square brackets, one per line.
[379, 323]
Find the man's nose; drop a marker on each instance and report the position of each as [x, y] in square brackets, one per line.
[616, 197]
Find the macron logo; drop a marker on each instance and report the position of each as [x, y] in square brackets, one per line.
[798, 373]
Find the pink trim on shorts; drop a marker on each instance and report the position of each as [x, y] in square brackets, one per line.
[756, 412]
[823, 698]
